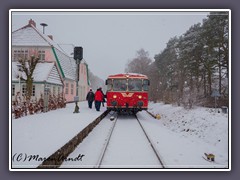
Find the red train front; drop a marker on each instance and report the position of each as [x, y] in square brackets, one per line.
[127, 92]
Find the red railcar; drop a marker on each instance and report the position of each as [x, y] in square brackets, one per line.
[127, 92]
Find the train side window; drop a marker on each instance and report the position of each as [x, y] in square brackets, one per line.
[146, 84]
[109, 87]
[109, 84]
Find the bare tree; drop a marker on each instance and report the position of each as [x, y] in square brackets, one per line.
[139, 64]
[28, 67]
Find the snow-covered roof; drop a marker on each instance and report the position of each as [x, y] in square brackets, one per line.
[29, 35]
[128, 75]
[68, 64]
[44, 72]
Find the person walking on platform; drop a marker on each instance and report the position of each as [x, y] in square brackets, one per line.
[98, 99]
[90, 98]
[103, 100]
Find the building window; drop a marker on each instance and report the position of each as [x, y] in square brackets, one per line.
[20, 54]
[33, 90]
[72, 88]
[66, 89]
[41, 55]
[54, 90]
[13, 90]
[24, 54]
[58, 89]
[24, 89]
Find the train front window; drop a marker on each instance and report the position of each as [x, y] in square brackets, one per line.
[135, 85]
[119, 85]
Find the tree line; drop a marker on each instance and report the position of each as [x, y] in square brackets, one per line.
[193, 68]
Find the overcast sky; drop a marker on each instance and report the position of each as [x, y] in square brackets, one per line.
[110, 39]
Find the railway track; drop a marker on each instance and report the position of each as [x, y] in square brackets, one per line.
[108, 154]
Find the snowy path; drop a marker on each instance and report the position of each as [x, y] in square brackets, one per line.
[44, 133]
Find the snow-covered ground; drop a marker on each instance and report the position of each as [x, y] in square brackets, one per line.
[181, 136]
[44, 133]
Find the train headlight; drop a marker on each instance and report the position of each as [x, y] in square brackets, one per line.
[140, 96]
[114, 96]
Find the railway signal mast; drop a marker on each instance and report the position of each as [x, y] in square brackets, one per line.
[78, 56]
[215, 94]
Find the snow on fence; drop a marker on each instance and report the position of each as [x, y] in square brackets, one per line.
[20, 109]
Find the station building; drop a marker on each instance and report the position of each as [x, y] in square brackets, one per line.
[56, 70]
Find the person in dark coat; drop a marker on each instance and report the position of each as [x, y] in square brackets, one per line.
[98, 99]
[90, 98]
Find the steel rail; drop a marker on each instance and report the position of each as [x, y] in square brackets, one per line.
[99, 162]
[149, 140]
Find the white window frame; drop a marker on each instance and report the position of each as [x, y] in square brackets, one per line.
[54, 90]
[20, 53]
[41, 55]
[66, 88]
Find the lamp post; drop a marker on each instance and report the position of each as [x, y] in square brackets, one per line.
[45, 97]
[78, 56]
[43, 25]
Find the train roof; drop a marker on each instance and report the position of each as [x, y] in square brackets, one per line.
[128, 75]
